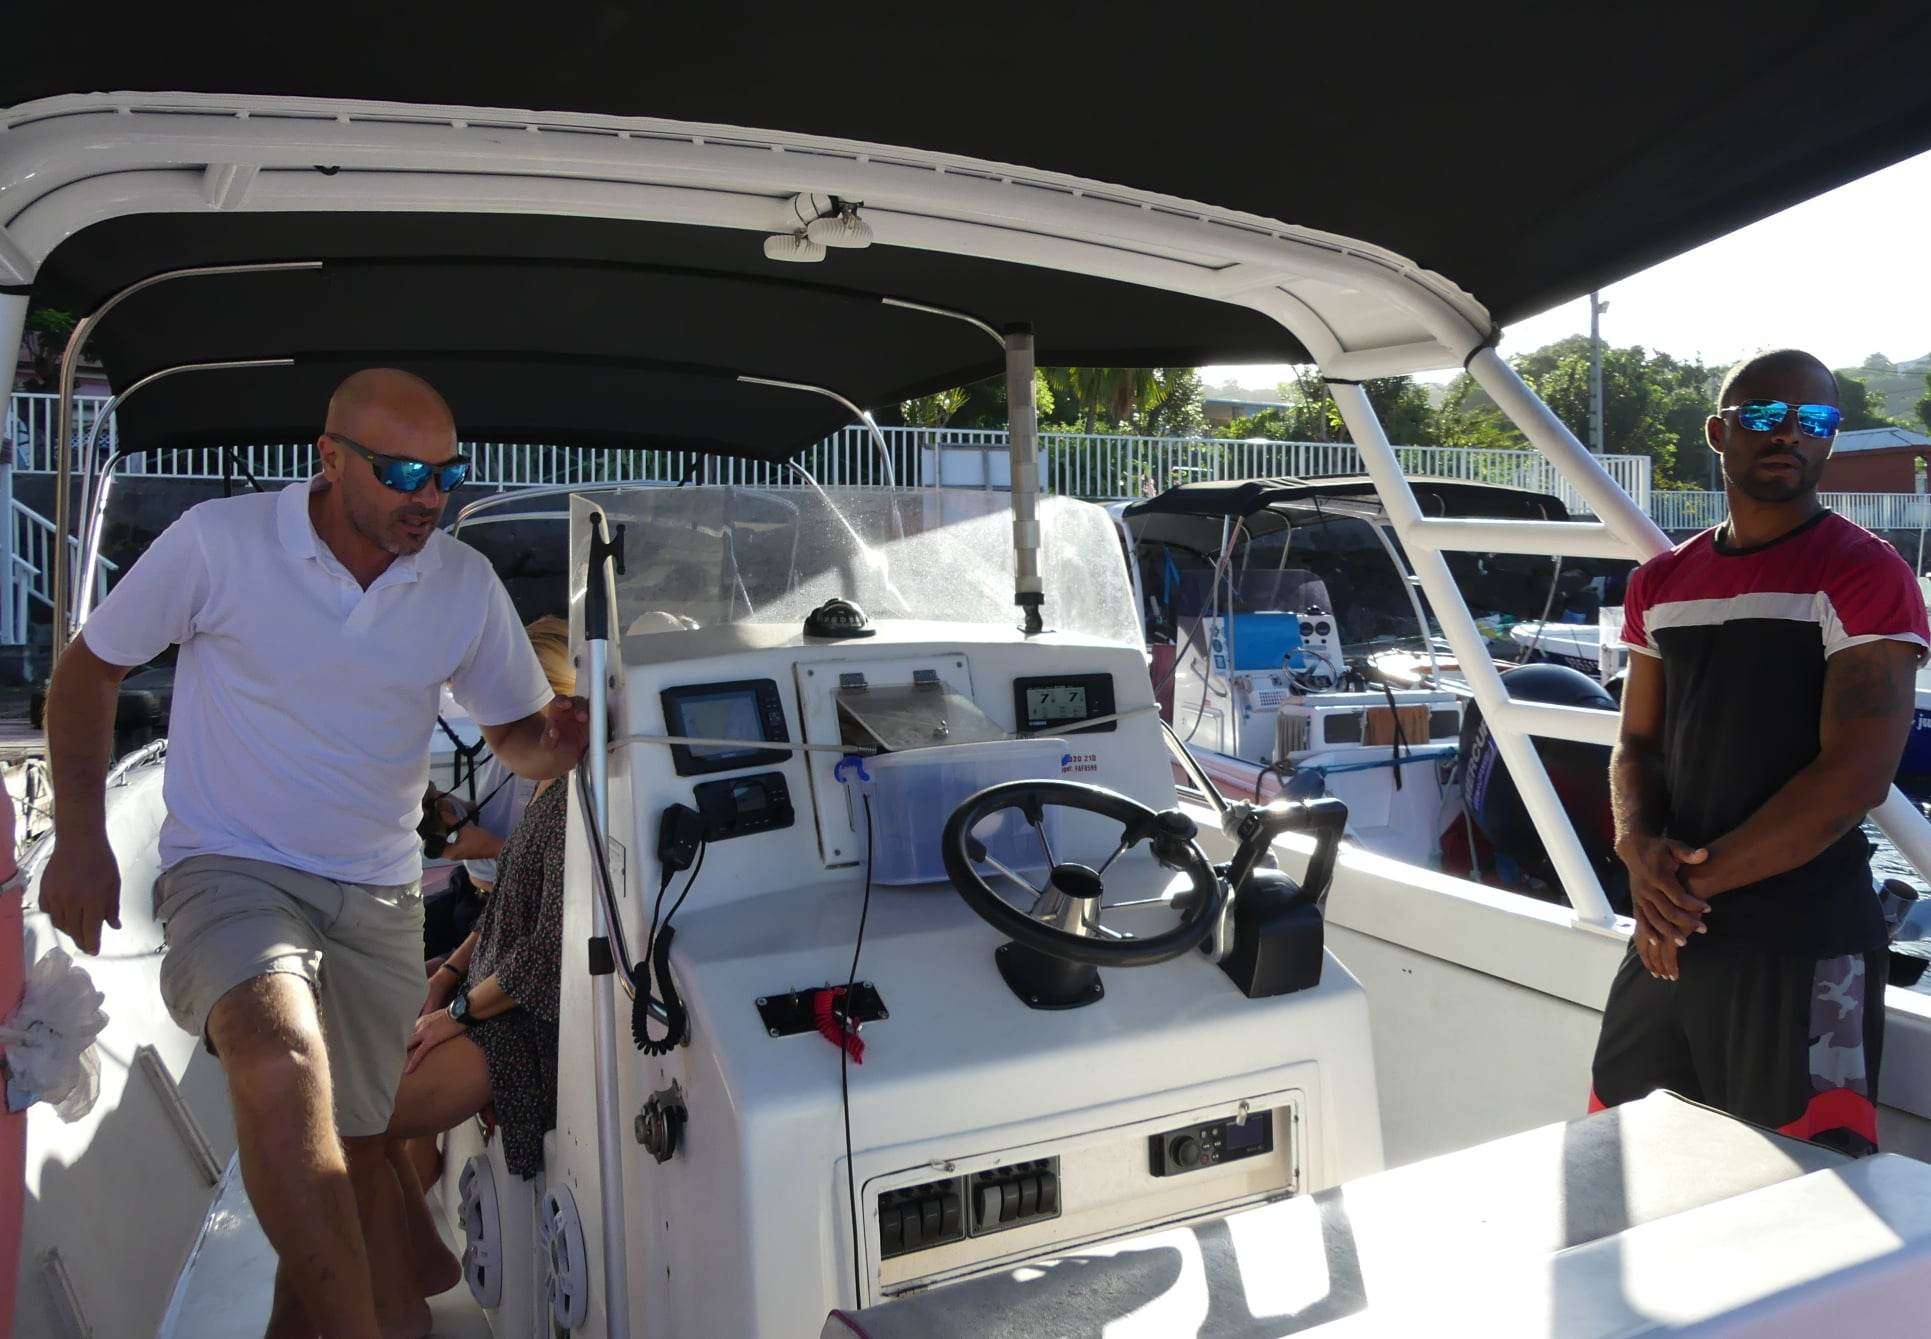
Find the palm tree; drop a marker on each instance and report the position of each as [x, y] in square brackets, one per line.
[1123, 393]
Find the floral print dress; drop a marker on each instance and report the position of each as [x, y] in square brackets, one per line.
[520, 942]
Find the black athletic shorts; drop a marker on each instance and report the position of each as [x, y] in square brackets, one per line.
[1791, 1044]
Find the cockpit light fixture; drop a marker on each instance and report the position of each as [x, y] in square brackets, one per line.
[795, 247]
[843, 227]
[822, 221]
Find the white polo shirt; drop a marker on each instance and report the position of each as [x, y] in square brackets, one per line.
[303, 704]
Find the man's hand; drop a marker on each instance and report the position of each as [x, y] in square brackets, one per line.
[546, 744]
[81, 888]
[566, 727]
[1667, 913]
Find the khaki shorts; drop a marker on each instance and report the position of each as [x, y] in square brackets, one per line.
[359, 947]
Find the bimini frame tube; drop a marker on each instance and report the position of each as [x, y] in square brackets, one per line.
[878, 438]
[1478, 667]
[598, 618]
[1022, 444]
[64, 432]
[94, 522]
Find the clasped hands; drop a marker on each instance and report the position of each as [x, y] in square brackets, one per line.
[1667, 912]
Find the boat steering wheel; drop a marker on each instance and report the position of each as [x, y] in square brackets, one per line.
[1062, 920]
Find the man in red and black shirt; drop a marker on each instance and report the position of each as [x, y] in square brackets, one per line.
[1766, 708]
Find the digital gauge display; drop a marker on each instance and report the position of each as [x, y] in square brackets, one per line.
[1060, 702]
[1053, 703]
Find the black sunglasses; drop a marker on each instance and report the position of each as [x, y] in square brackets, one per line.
[406, 475]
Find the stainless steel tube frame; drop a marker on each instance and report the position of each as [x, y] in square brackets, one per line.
[603, 1018]
[64, 430]
[95, 508]
[1029, 592]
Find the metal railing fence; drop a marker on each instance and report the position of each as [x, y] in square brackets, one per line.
[1683, 509]
[1098, 467]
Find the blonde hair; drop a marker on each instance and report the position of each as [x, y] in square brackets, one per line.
[550, 638]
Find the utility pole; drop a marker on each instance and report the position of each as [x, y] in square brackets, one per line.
[1596, 308]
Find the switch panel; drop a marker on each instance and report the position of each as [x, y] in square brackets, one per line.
[916, 1218]
[1198, 1147]
[1024, 1192]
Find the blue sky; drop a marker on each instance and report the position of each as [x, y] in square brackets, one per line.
[1844, 274]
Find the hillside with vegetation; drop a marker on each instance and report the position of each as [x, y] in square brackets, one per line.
[1897, 389]
[1654, 404]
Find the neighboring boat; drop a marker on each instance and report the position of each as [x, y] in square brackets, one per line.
[1577, 645]
[1143, 1092]
[1295, 656]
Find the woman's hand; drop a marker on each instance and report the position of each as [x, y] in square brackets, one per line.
[442, 989]
[432, 1030]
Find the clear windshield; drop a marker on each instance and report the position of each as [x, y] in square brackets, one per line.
[701, 556]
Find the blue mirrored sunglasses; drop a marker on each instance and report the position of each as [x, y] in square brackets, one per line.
[406, 475]
[1813, 420]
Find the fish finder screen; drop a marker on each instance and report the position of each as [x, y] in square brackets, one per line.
[1059, 702]
[730, 715]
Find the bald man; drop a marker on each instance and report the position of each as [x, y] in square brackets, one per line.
[1765, 711]
[317, 627]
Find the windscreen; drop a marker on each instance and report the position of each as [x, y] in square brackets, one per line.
[701, 556]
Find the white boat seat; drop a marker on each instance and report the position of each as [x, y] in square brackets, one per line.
[1660, 1214]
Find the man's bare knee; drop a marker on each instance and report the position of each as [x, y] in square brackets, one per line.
[268, 1035]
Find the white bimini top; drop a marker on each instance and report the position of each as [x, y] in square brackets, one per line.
[303, 704]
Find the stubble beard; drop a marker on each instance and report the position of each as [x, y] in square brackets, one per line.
[386, 532]
[1760, 489]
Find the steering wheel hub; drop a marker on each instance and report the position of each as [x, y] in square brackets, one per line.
[1057, 931]
[1081, 881]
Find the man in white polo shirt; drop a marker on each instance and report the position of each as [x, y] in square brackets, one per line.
[317, 627]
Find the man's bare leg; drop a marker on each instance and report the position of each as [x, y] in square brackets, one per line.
[270, 1041]
[437, 1268]
[286, 1317]
[400, 1310]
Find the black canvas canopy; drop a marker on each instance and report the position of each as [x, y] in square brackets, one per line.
[583, 331]
[1527, 151]
[1352, 493]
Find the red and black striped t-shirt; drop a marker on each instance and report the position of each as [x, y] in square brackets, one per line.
[1743, 635]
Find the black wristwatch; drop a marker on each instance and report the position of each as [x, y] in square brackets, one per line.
[459, 1007]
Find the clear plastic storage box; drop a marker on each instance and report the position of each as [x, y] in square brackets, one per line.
[914, 793]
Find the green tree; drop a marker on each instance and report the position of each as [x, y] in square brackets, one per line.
[1181, 409]
[1924, 405]
[982, 404]
[45, 341]
[1106, 399]
[1854, 397]
[1310, 414]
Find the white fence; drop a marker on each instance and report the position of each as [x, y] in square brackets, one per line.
[1097, 467]
[1685, 510]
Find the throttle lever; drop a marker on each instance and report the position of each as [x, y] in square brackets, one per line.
[1255, 827]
